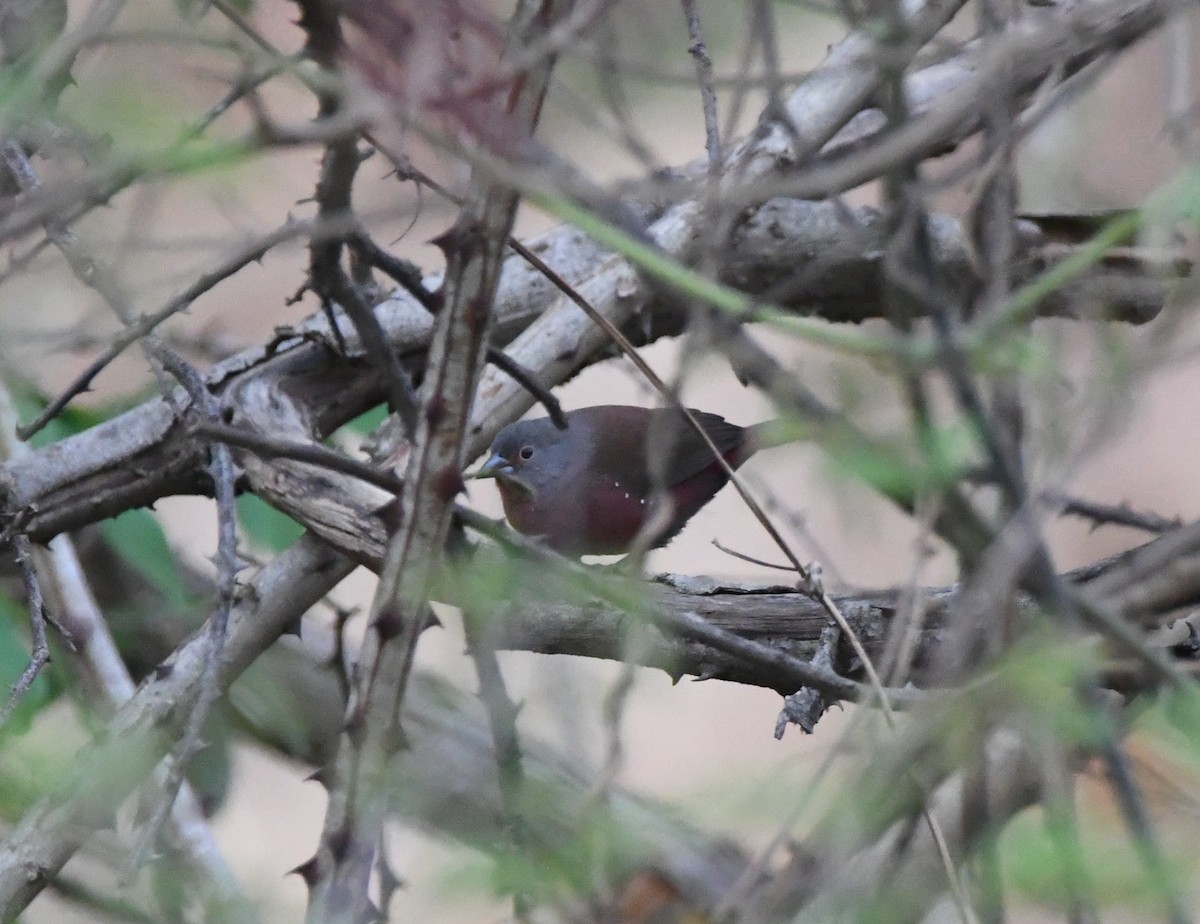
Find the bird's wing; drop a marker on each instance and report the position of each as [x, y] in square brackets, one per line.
[691, 455]
[620, 436]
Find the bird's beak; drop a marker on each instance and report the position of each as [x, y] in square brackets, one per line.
[496, 466]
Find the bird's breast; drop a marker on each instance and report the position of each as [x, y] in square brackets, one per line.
[614, 517]
[597, 519]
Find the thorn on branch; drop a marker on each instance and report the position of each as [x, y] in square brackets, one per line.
[1114, 515]
[806, 706]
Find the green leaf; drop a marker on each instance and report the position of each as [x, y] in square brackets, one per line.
[902, 469]
[1036, 857]
[136, 536]
[266, 526]
[367, 421]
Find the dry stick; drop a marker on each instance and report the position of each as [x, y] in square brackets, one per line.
[103, 665]
[704, 77]
[91, 274]
[1112, 514]
[742, 556]
[107, 770]
[404, 273]
[145, 324]
[40, 654]
[328, 279]
[228, 566]
[527, 380]
[313, 453]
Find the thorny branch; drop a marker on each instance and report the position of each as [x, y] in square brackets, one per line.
[458, 348]
[91, 648]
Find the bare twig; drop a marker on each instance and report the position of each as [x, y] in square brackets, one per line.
[103, 670]
[40, 655]
[501, 360]
[142, 730]
[333, 197]
[704, 78]
[146, 324]
[1114, 514]
[274, 447]
[228, 565]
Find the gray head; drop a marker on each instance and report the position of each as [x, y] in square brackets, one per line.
[530, 453]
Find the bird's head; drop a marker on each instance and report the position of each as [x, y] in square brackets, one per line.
[529, 455]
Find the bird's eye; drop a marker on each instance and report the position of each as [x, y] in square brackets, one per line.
[526, 453]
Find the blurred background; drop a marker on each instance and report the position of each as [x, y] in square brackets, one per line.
[705, 746]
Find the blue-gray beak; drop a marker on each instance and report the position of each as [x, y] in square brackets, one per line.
[496, 466]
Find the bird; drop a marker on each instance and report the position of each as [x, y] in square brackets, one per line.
[588, 489]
